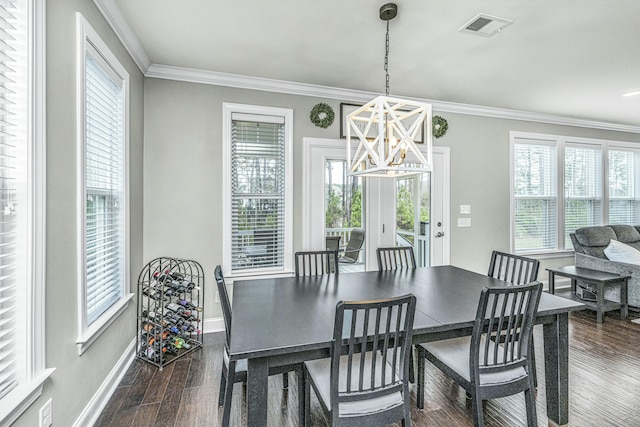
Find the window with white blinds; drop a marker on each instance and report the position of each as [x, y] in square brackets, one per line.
[258, 207]
[582, 188]
[624, 186]
[22, 211]
[535, 195]
[104, 245]
[257, 192]
[10, 209]
[575, 170]
[104, 187]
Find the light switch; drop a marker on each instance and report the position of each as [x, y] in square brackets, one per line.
[464, 222]
[465, 209]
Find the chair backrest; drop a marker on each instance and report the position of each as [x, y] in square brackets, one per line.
[332, 243]
[354, 245]
[513, 268]
[316, 263]
[509, 312]
[224, 302]
[374, 340]
[395, 258]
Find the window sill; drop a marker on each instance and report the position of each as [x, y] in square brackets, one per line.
[547, 255]
[20, 398]
[94, 331]
[245, 275]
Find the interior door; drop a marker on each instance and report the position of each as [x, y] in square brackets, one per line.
[321, 183]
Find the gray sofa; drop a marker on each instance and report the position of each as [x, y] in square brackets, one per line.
[589, 244]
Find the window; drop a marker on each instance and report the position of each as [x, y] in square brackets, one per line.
[22, 364]
[559, 185]
[257, 167]
[104, 275]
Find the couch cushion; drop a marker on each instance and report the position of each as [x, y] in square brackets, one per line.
[621, 252]
[626, 233]
[595, 239]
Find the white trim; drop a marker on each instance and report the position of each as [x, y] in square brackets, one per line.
[114, 17]
[213, 324]
[228, 109]
[98, 402]
[446, 205]
[15, 403]
[89, 40]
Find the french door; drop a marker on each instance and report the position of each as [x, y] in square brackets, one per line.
[392, 212]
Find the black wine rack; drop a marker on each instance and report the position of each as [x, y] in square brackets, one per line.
[170, 304]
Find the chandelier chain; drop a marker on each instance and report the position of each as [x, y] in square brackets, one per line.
[386, 61]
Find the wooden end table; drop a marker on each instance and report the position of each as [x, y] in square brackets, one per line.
[598, 281]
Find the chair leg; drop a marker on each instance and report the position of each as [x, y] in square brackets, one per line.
[285, 380]
[228, 394]
[223, 385]
[478, 416]
[534, 373]
[532, 418]
[307, 398]
[412, 372]
[421, 367]
[302, 398]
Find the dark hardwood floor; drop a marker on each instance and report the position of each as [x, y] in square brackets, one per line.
[604, 384]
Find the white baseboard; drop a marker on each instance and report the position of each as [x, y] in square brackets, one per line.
[213, 324]
[96, 405]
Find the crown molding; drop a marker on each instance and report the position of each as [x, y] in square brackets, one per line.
[112, 14]
[114, 17]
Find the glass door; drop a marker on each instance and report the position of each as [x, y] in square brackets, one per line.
[413, 201]
[344, 214]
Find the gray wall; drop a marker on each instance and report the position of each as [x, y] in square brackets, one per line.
[77, 378]
[183, 172]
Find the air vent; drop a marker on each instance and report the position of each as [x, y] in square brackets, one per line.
[485, 25]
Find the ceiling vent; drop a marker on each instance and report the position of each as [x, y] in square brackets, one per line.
[485, 25]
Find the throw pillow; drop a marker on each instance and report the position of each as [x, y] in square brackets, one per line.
[620, 252]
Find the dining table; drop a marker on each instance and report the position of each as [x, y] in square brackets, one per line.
[289, 320]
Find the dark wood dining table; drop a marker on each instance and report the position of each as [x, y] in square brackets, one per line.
[282, 321]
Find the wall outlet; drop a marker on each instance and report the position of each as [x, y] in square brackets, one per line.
[46, 414]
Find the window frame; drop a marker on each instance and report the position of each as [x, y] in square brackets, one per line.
[88, 40]
[228, 109]
[33, 372]
[561, 142]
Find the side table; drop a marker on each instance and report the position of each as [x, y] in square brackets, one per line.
[597, 281]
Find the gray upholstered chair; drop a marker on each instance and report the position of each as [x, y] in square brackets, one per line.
[315, 263]
[236, 371]
[395, 258]
[483, 366]
[365, 383]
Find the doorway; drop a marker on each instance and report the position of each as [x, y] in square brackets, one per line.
[336, 204]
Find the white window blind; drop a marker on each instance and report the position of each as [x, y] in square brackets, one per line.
[104, 186]
[535, 196]
[257, 192]
[11, 143]
[582, 188]
[624, 186]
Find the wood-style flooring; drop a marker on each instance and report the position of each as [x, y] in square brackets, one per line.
[604, 385]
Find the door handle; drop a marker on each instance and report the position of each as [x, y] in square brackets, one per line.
[439, 234]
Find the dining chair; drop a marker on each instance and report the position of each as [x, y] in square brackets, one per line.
[316, 263]
[517, 270]
[364, 382]
[395, 258]
[351, 252]
[236, 371]
[485, 368]
[332, 243]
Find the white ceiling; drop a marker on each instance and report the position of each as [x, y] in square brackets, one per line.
[572, 58]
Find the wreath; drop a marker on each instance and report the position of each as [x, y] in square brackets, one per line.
[440, 126]
[322, 115]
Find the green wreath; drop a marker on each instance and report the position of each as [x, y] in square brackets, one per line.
[440, 126]
[322, 115]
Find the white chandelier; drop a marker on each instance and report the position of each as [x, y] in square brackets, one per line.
[386, 129]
